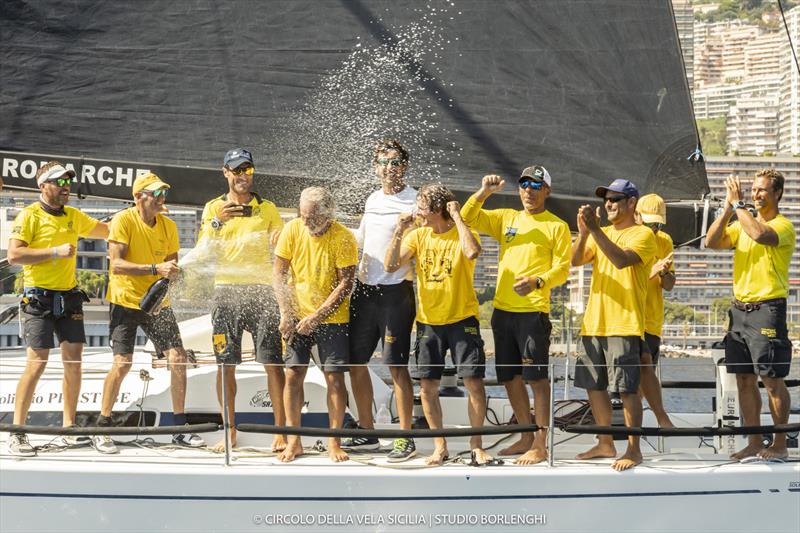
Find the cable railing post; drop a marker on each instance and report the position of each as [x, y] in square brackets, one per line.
[660, 442]
[551, 424]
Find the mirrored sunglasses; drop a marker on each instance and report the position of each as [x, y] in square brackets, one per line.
[396, 162]
[61, 182]
[531, 184]
[243, 170]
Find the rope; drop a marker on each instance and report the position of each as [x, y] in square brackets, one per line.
[681, 432]
[384, 433]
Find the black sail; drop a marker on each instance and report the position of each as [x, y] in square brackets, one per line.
[591, 90]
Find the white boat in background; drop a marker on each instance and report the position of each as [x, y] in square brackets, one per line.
[151, 485]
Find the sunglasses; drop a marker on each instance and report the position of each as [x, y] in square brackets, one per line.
[159, 192]
[615, 199]
[243, 170]
[655, 225]
[396, 162]
[61, 182]
[531, 184]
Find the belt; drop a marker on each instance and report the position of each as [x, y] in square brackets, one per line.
[755, 306]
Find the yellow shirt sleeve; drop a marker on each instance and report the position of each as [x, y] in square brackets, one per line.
[733, 231]
[286, 241]
[479, 219]
[559, 271]
[347, 250]
[85, 223]
[119, 230]
[24, 227]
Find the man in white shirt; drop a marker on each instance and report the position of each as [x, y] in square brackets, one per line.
[382, 305]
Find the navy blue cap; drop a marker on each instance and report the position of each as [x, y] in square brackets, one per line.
[236, 157]
[618, 185]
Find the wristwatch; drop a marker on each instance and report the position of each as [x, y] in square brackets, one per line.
[539, 283]
[216, 223]
[739, 205]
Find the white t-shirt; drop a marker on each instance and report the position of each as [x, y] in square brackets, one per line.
[375, 233]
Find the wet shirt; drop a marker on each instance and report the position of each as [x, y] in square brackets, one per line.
[654, 310]
[530, 245]
[375, 233]
[444, 276]
[40, 229]
[314, 263]
[146, 246]
[761, 272]
[241, 248]
[617, 297]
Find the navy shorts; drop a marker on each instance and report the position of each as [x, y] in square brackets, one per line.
[462, 338]
[652, 345]
[39, 323]
[162, 329]
[240, 308]
[521, 344]
[381, 313]
[610, 363]
[758, 342]
[333, 348]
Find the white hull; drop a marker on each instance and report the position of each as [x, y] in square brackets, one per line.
[689, 487]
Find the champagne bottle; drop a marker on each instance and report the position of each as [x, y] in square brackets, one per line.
[152, 299]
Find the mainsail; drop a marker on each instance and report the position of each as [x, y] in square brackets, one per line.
[591, 90]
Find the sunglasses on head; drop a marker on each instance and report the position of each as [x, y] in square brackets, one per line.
[396, 162]
[159, 192]
[243, 170]
[531, 184]
[61, 181]
[615, 199]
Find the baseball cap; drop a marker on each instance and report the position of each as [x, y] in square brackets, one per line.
[148, 182]
[652, 209]
[537, 173]
[618, 185]
[236, 157]
[54, 172]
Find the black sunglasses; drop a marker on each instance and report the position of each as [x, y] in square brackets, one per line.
[615, 199]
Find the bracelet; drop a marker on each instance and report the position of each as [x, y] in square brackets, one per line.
[55, 252]
[153, 270]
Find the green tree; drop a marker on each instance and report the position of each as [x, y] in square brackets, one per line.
[485, 314]
[719, 308]
[675, 313]
[92, 283]
[713, 135]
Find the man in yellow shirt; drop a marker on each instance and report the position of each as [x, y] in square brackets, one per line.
[239, 228]
[321, 256]
[757, 343]
[43, 240]
[445, 250]
[143, 248]
[613, 324]
[653, 212]
[534, 258]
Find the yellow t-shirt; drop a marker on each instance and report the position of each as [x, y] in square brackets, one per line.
[761, 272]
[241, 246]
[146, 246]
[314, 261]
[444, 276]
[530, 245]
[39, 229]
[654, 310]
[617, 297]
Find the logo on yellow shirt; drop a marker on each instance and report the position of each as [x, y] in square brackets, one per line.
[510, 233]
[436, 270]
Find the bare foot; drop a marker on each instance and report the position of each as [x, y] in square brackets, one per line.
[751, 450]
[774, 452]
[336, 453]
[597, 451]
[665, 422]
[531, 457]
[521, 446]
[630, 459]
[220, 446]
[291, 452]
[438, 457]
[278, 443]
[481, 456]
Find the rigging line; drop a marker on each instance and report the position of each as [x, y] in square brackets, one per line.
[789, 36]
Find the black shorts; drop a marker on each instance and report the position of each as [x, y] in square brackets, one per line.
[521, 344]
[652, 345]
[610, 363]
[333, 348]
[758, 342]
[239, 308]
[39, 323]
[381, 313]
[462, 338]
[161, 329]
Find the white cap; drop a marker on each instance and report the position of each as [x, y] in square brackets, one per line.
[54, 172]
